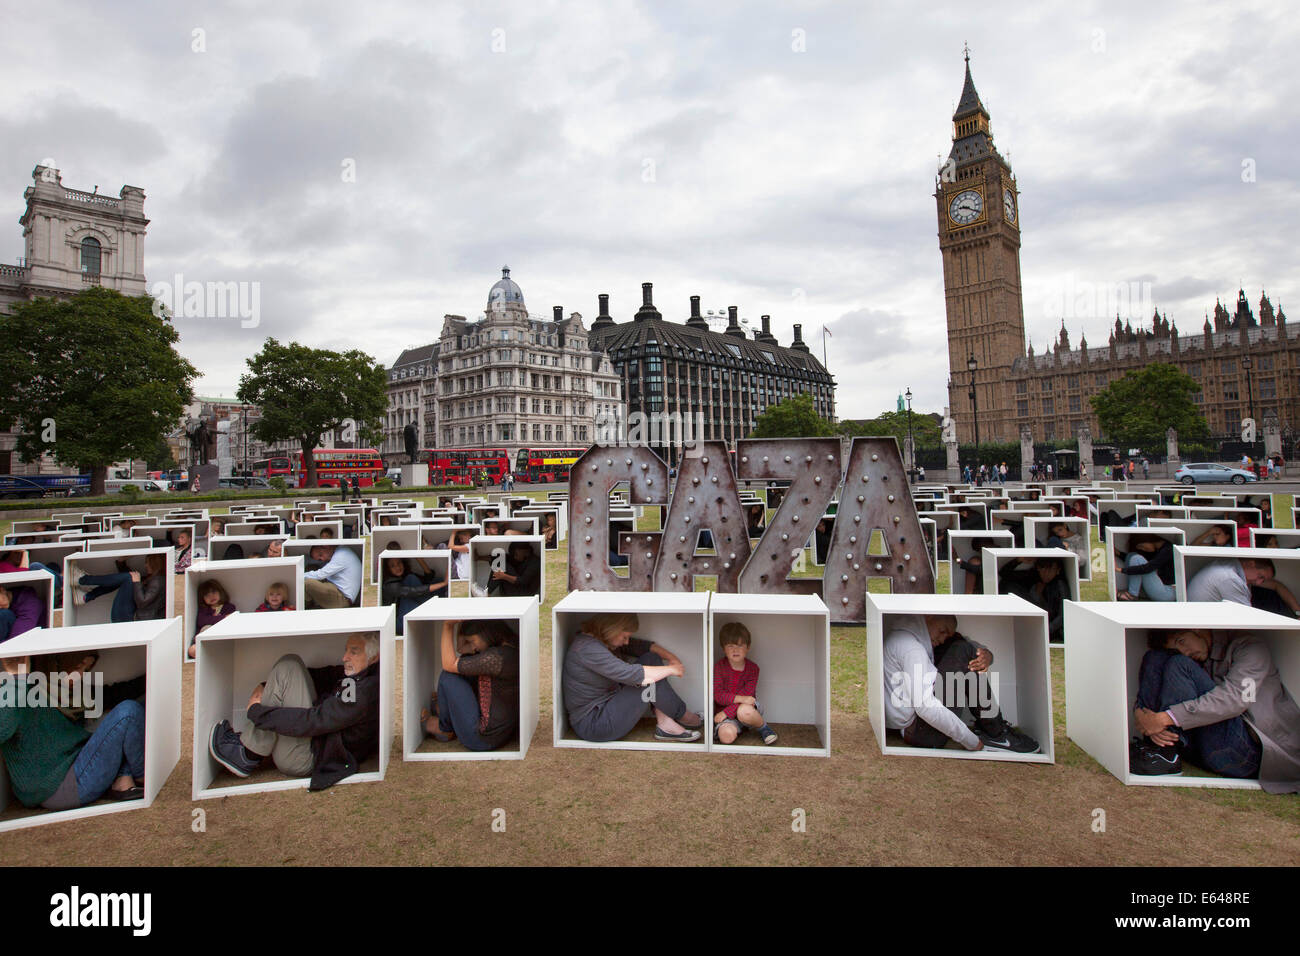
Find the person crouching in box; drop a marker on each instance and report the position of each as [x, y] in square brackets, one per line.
[319, 721]
[735, 683]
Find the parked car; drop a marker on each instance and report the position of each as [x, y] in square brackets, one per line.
[1211, 473]
[243, 483]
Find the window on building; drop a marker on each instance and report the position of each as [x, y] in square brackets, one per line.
[1022, 408]
[1022, 387]
[1230, 392]
[92, 256]
[1264, 363]
[537, 433]
[1227, 366]
[1194, 369]
[1267, 388]
[1047, 385]
[1072, 381]
[1049, 407]
[1076, 404]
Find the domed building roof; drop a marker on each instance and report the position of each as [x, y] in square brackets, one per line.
[505, 294]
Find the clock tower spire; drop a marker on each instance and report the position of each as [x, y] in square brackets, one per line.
[979, 241]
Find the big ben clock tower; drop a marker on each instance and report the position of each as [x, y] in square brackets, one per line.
[979, 239]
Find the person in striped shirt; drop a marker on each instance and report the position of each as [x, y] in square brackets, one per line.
[735, 684]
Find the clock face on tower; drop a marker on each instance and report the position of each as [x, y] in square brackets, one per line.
[966, 207]
[1009, 206]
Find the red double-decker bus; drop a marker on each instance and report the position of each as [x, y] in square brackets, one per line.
[466, 466]
[546, 464]
[335, 464]
[279, 466]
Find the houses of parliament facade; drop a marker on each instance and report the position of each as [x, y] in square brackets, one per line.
[1246, 361]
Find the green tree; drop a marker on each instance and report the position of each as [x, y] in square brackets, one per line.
[305, 392]
[160, 457]
[925, 427]
[91, 379]
[1140, 407]
[795, 417]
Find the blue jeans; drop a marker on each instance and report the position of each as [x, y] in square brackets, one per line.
[7, 618]
[458, 709]
[1227, 748]
[124, 598]
[116, 749]
[1156, 590]
[58, 578]
[406, 605]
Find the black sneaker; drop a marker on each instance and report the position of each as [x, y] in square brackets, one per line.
[227, 750]
[1145, 759]
[1000, 735]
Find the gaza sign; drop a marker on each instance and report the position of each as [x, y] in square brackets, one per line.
[873, 496]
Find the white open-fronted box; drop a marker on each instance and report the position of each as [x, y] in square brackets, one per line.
[417, 561]
[1119, 543]
[236, 654]
[245, 583]
[1020, 676]
[488, 554]
[294, 547]
[125, 651]
[422, 666]
[1188, 561]
[1039, 529]
[41, 583]
[677, 622]
[100, 610]
[1284, 537]
[963, 546]
[791, 638]
[1104, 645]
[997, 561]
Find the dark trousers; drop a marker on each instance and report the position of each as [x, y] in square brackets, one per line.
[458, 709]
[615, 719]
[120, 586]
[951, 657]
[406, 605]
[1228, 747]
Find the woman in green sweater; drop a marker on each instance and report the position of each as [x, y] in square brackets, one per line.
[56, 763]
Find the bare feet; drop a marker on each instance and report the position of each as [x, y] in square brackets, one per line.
[432, 728]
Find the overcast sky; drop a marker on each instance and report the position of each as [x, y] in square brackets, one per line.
[780, 157]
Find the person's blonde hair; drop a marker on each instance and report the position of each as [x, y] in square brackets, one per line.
[603, 627]
[280, 588]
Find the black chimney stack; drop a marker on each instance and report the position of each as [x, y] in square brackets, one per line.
[558, 310]
[647, 310]
[696, 321]
[603, 320]
[733, 324]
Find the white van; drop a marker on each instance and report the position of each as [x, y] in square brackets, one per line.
[114, 485]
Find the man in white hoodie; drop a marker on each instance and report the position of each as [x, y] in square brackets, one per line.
[931, 673]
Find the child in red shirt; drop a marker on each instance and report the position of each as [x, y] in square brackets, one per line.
[735, 680]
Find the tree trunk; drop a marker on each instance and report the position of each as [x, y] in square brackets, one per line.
[98, 475]
[309, 465]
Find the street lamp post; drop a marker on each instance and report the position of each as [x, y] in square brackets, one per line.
[245, 440]
[1246, 363]
[911, 444]
[971, 365]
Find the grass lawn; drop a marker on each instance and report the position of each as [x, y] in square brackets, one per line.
[577, 806]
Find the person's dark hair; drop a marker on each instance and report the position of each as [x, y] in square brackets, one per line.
[493, 632]
[1265, 563]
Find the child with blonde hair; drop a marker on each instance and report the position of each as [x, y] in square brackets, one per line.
[277, 598]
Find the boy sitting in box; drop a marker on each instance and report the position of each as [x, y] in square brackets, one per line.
[735, 680]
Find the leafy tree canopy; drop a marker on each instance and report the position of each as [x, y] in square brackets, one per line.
[1140, 407]
[925, 428]
[91, 379]
[305, 392]
[794, 417]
